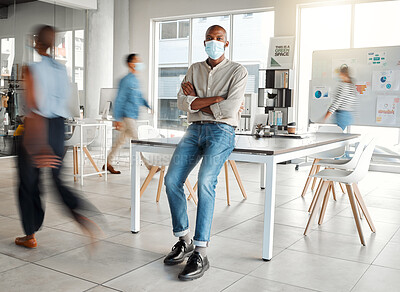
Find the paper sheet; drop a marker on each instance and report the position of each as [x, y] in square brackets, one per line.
[386, 109]
[386, 80]
[377, 58]
[320, 92]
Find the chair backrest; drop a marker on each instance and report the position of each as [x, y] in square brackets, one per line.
[362, 167]
[357, 153]
[147, 132]
[337, 152]
[89, 134]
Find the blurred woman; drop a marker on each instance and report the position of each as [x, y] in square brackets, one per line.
[42, 146]
[345, 101]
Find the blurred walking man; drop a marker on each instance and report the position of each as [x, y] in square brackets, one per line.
[126, 108]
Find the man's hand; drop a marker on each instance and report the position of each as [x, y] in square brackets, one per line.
[241, 109]
[327, 115]
[188, 89]
[118, 125]
[207, 110]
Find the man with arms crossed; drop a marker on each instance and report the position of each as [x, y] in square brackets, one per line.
[212, 93]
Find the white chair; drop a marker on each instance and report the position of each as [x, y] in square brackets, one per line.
[157, 161]
[344, 164]
[89, 136]
[335, 153]
[351, 180]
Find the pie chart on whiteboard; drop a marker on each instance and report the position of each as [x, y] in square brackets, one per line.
[318, 94]
[383, 79]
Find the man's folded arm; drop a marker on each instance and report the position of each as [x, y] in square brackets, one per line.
[229, 107]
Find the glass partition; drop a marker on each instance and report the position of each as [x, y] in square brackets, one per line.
[18, 23]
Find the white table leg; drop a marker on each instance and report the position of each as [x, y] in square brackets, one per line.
[82, 157]
[135, 190]
[269, 209]
[263, 168]
[105, 152]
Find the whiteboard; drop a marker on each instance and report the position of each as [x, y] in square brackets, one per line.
[376, 73]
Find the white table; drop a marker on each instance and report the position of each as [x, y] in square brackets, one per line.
[266, 151]
[81, 126]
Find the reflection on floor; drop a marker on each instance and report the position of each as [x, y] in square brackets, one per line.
[329, 259]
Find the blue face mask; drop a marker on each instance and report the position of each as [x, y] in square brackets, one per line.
[215, 49]
[139, 66]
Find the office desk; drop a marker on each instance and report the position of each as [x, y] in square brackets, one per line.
[266, 151]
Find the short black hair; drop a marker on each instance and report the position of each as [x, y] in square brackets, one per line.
[216, 26]
[130, 58]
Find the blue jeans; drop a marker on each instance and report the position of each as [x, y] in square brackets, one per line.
[214, 143]
[344, 118]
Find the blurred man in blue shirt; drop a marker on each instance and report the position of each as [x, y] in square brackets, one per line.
[126, 107]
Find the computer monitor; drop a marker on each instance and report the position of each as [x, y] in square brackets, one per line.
[74, 102]
[107, 97]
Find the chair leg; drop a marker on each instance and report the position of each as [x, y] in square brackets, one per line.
[160, 182]
[315, 196]
[91, 159]
[227, 183]
[195, 186]
[355, 214]
[237, 176]
[333, 190]
[364, 209]
[312, 171]
[320, 196]
[146, 182]
[324, 204]
[191, 191]
[341, 186]
[315, 179]
[74, 158]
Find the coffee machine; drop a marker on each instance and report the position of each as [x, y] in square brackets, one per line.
[275, 94]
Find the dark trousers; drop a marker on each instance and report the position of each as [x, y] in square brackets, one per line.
[31, 208]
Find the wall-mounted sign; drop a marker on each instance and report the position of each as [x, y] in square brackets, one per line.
[281, 53]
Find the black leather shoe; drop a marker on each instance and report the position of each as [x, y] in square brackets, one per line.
[195, 267]
[180, 251]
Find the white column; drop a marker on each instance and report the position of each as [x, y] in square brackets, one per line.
[121, 40]
[99, 54]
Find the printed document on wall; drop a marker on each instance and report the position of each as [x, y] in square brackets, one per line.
[321, 92]
[387, 80]
[376, 58]
[386, 109]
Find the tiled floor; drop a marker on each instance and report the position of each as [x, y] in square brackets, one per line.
[331, 258]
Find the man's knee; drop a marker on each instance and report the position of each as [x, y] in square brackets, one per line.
[171, 181]
[207, 182]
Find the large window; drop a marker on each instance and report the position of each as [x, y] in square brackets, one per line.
[332, 32]
[346, 26]
[180, 43]
[7, 48]
[69, 50]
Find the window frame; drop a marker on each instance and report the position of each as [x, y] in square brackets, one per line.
[155, 33]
